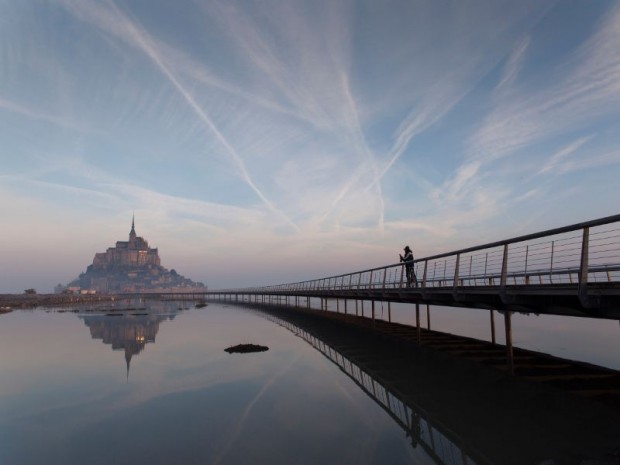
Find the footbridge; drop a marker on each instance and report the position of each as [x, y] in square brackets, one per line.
[573, 270]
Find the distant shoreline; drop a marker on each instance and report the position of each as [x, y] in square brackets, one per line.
[9, 302]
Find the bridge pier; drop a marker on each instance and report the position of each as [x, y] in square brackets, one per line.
[417, 322]
[508, 327]
[492, 327]
[428, 317]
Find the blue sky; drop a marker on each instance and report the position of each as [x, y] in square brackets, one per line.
[261, 142]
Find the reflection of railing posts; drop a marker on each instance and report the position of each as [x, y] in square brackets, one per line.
[583, 268]
[441, 446]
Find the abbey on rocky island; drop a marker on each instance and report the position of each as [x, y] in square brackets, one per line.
[130, 266]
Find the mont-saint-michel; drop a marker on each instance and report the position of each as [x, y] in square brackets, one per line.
[129, 266]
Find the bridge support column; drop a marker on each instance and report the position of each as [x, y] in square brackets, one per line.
[373, 312]
[389, 311]
[417, 322]
[356, 310]
[508, 325]
[337, 305]
[428, 317]
[492, 327]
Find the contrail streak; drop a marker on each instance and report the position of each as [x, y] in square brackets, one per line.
[154, 56]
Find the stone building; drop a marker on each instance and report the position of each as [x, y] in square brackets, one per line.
[131, 266]
[134, 253]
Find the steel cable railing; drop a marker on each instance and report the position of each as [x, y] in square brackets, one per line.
[573, 255]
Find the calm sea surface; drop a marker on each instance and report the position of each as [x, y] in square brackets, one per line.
[155, 386]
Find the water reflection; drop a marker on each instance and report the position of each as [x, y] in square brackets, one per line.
[521, 425]
[130, 327]
[441, 445]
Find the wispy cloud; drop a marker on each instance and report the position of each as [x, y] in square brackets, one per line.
[140, 39]
[515, 62]
[554, 161]
[572, 95]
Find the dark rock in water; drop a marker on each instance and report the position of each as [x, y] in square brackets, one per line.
[246, 348]
[201, 305]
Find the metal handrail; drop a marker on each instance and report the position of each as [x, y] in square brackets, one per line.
[583, 255]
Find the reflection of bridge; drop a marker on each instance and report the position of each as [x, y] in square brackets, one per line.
[573, 270]
[457, 413]
[442, 446]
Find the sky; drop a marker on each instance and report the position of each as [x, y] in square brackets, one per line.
[267, 142]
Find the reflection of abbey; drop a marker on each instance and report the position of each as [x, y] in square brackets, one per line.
[130, 333]
[131, 266]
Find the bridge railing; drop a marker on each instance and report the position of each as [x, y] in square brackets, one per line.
[575, 255]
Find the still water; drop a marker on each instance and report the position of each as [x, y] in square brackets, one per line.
[154, 386]
[159, 389]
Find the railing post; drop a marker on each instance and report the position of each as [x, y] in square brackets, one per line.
[424, 276]
[456, 271]
[582, 290]
[502, 284]
[526, 277]
[384, 277]
[551, 265]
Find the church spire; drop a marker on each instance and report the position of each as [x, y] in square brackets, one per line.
[132, 233]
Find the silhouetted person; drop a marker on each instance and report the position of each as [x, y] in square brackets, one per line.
[408, 259]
